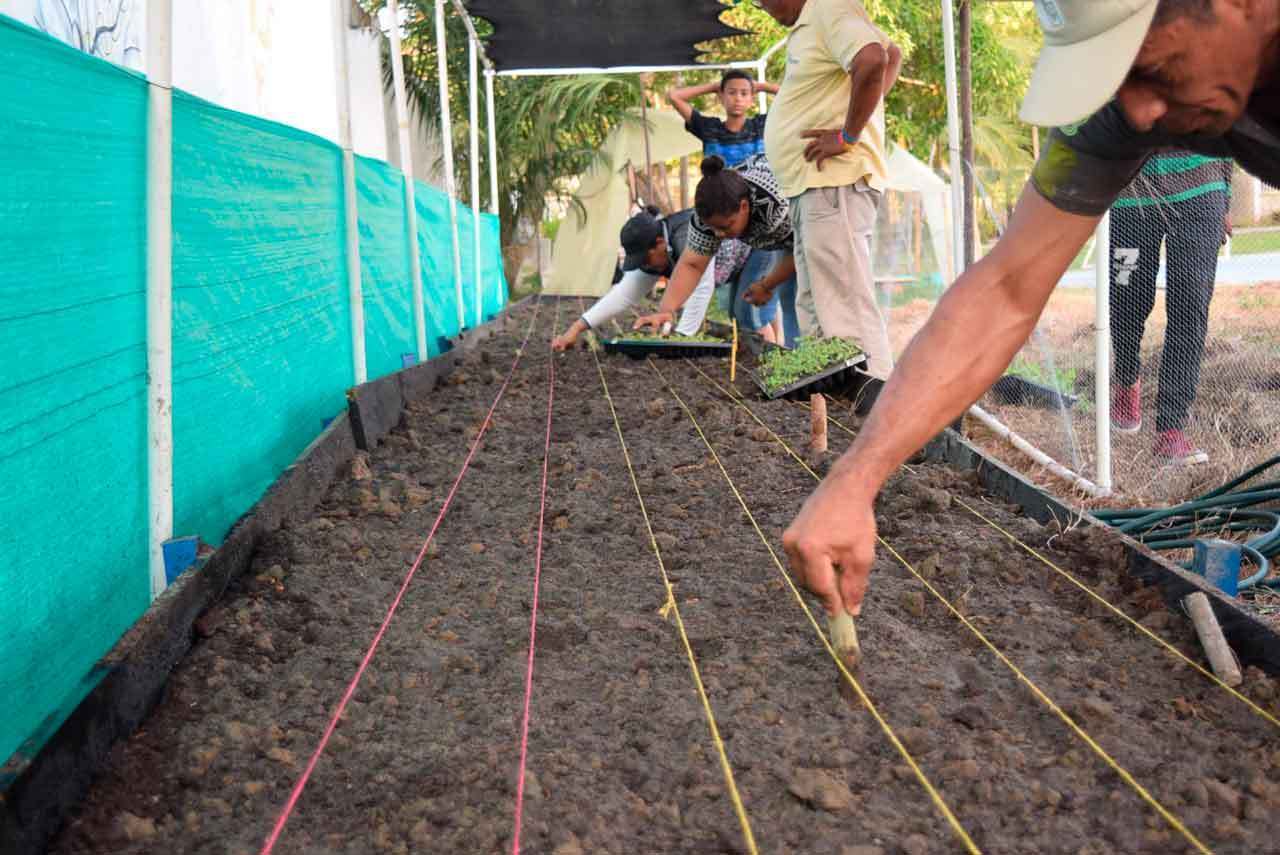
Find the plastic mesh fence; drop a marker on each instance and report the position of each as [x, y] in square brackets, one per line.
[1192, 324]
[384, 261]
[73, 530]
[261, 335]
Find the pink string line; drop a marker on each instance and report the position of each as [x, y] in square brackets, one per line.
[533, 617]
[377, 639]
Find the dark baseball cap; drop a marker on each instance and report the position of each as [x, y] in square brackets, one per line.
[639, 235]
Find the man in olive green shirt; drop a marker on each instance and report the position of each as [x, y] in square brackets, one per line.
[825, 141]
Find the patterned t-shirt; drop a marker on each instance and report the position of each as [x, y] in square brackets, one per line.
[732, 146]
[769, 226]
[1083, 169]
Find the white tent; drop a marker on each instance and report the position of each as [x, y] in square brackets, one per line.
[907, 174]
[585, 252]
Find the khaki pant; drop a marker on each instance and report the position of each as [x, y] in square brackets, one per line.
[836, 294]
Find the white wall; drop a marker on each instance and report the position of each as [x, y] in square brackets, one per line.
[110, 29]
[269, 58]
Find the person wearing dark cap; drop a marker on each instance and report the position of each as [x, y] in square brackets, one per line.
[652, 245]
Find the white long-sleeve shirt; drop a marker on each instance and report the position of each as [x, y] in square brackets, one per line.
[635, 286]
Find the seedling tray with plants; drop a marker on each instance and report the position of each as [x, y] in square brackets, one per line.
[822, 366]
[640, 345]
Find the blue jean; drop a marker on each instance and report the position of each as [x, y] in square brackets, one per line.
[758, 265]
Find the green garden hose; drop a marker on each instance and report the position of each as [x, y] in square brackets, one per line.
[1218, 511]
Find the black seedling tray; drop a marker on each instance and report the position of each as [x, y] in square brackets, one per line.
[1021, 392]
[838, 380]
[674, 349]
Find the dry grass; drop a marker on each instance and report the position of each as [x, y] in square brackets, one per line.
[1236, 418]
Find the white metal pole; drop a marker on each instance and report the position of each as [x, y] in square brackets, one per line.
[159, 287]
[478, 265]
[494, 207]
[1102, 346]
[350, 212]
[406, 166]
[493, 145]
[953, 136]
[446, 137]
[762, 71]
[625, 69]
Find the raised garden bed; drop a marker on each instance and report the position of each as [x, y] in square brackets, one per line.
[619, 756]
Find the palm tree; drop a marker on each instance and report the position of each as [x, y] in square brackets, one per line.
[548, 129]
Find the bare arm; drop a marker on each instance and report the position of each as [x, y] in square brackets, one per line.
[679, 98]
[683, 282]
[760, 293]
[973, 335]
[978, 326]
[869, 72]
[895, 66]
[868, 76]
[765, 86]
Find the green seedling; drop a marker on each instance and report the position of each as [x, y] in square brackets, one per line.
[780, 368]
[636, 335]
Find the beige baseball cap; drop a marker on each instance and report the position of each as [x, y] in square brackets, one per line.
[1089, 46]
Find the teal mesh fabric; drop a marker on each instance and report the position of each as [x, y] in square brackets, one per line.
[261, 340]
[384, 265]
[436, 248]
[262, 330]
[495, 287]
[73, 461]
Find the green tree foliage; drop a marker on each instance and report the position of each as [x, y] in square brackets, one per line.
[549, 129]
[552, 128]
[1005, 42]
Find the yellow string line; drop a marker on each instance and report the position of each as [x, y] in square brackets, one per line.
[1099, 598]
[674, 608]
[1066, 574]
[1146, 796]
[933, 793]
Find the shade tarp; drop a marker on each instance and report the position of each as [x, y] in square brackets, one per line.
[530, 34]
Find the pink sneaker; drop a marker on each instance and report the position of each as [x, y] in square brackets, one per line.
[1173, 448]
[1126, 408]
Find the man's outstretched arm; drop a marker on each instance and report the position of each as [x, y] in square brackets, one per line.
[973, 335]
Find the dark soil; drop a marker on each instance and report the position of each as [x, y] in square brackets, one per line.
[620, 758]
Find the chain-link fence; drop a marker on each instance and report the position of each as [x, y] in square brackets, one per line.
[1194, 263]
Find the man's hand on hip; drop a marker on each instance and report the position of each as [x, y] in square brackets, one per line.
[831, 545]
[823, 143]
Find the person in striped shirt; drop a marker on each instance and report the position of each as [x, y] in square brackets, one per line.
[734, 139]
[1181, 201]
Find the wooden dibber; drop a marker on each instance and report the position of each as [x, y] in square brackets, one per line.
[1221, 658]
[818, 424]
[844, 638]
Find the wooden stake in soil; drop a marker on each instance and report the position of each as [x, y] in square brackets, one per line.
[844, 638]
[733, 354]
[818, 424]
[1221, 658]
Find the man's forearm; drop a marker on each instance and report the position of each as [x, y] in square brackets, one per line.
[781, 272]
[867, 74]
[895, 66]
[972, 336]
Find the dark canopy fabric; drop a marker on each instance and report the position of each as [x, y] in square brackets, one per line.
[598, 33]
